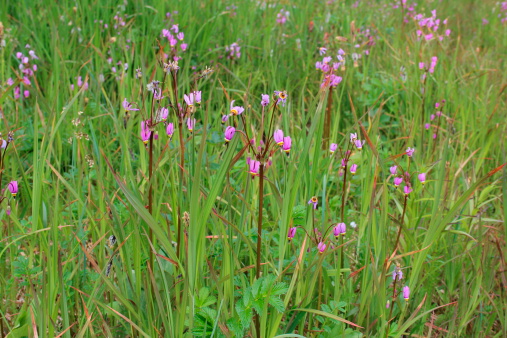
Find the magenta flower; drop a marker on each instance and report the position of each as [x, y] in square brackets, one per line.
[321, 247]
[397, 181]
[292, 233]
[13, 188]
[254, 167]
[282, 97]
[422, 177]
[333, 147]
[322, 50]
[163, 113]
[128, 106]
[340, 229]
[427, 126]
[400, 275]
[406, 293]
[189, 99]
[315, 201]
[287, 142]
[344, 162]
[197, 96]
[236, 110]
[225, 118]
[278, 136]
[145, 131]
[353, 137]
[170, 130]
[410, 151]
[229, 133]
[407, 190]
[353, 169]
[190, 124]
[265, 100]
[393, 170]
[157, 94]
[359, 144]
[335, 80]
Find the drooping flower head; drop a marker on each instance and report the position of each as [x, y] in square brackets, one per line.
[315, 201]
[353, 169]
[229, 133]
[406, 293]
[321, 247]
[410, 151]
[282, 97]
[189, 99]
[422, 177]
[197, 96]
[265, 100]
[278, 137]
[291, 233]
[13, 188]
[163, 113]
[333, 147]
[407, 189]
[340, 229]
[322, 50]
[145, 132]
[397, 181]
[254, 167]
[359, 144]
[236, 110]
[225, 118]
[353, 137]
[170, 130]
[393, 170]
[128, 106]
[190, 124]
[287, 143]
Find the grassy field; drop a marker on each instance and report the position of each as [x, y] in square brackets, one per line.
[253, 168]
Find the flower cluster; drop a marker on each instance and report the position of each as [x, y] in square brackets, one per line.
[430, 67]
[439, 106]
[282, 16]
[329, 70]
[428, 27]
[398, 179]
[233, 51]
[175, 37]
[28, 68]
[79, 83]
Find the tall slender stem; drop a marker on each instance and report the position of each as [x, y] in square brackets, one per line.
[182, 163]
[150, 191]
[259, 240]
[401, 224]
[327, 123]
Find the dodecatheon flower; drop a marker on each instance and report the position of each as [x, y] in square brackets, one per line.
[407, 190]
[397, 181]
[359, 144]
[422, 177]
[225, 118]
[340, 229]
[282, 97]
[353, 137]
[427, 126]
[291, 233]
[229, 133]
[333, 147]
[344, 162]
[265, 100]
[410, 151]
[163, 113]
[8, 210]
[400, 274]
[393, 170]
[278, 137]
[322, 50]
[190, 124]
[145, 132]
[189, 99]
[197, 96]
[321, 247]
[157, 94]
[395, 275]
[406, 293]
[13, 188]
[287, 143]
[128, 106]
[254, 167]
[315, 201]
[170, 130]
[353, 169]
[236, 110]
[336, 231]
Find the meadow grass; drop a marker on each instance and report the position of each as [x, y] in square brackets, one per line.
[120, 230]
